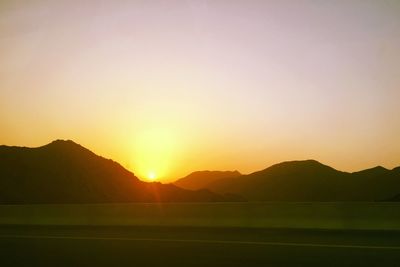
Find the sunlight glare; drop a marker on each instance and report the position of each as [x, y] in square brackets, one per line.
[152, 176]
[155, 152]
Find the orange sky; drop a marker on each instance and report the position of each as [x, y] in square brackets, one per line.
[171, 87]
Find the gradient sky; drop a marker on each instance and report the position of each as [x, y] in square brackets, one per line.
[178, 86]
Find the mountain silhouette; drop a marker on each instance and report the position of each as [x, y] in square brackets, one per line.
[65, 172]
[201, 179]
[310, 180]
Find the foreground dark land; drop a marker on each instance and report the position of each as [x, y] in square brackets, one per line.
[187, 246]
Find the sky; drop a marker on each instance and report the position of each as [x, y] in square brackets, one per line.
[170, 87]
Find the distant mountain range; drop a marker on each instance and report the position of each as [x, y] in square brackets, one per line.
[310, 180]
[201, 179]
[65, 172]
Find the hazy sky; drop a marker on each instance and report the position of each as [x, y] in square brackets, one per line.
[178, 86]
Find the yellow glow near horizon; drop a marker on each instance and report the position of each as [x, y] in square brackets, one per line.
[155, 151]
[152, 176]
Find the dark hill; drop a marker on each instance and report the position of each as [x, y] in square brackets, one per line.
[65, 172]
[310, 180]
[201, 179]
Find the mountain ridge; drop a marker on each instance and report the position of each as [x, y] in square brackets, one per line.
[310, 180]
[66, 172]
[200, 179]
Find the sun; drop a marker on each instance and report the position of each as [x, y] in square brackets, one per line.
[152, 176]
[154, 152]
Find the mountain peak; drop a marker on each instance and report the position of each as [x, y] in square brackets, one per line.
[213, 173]
[300, 164]
[61, 142]
[65, 145]
[379, 167]
[373, 171]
